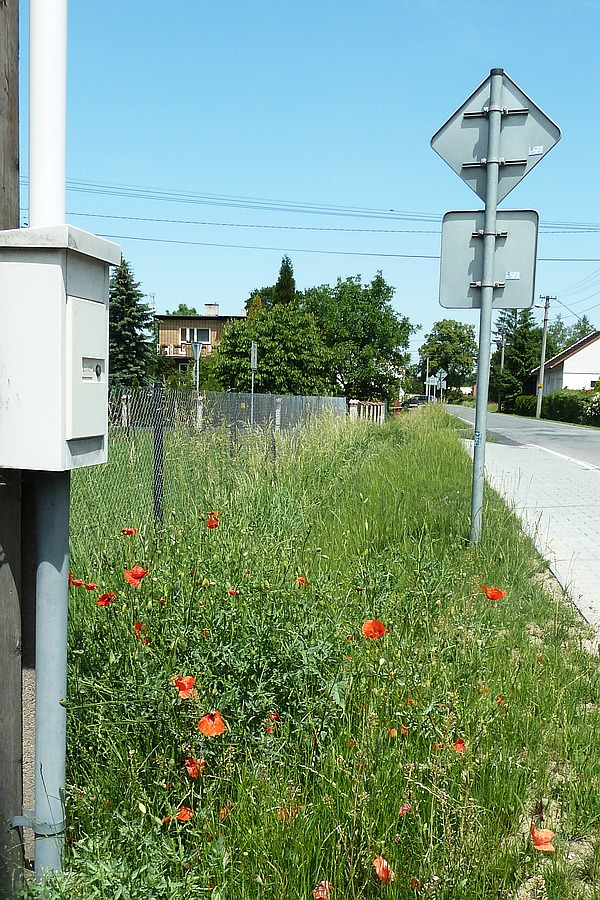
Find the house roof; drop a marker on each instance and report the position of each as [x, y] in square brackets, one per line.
[590, 338]
[169, 318]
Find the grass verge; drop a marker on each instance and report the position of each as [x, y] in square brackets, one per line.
[435, 745]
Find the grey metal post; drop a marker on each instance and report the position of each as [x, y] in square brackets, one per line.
[487, 297]
[52, 591]
[540, 387]
[253, 366]
[158, 430]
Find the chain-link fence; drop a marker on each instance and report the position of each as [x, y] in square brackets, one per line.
[163, 442]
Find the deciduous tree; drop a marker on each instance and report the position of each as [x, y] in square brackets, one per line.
[450, 345]
[291, 354]
[366, 339]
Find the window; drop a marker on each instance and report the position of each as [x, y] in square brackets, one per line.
[188, 335]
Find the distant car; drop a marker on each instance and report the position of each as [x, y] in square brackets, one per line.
[415, 401]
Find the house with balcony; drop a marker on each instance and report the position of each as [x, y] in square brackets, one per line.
[176, 334]
[577, 367]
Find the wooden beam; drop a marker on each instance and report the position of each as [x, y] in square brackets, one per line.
[11, 753]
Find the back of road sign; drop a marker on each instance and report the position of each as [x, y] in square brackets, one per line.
[461, 266]
[526, 135]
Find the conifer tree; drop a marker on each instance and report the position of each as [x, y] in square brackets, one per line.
[285, 289]
[130, 321]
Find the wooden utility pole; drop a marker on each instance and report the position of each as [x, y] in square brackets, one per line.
[11, 752]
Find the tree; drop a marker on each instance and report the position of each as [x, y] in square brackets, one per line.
[578, 331]
[366, 340]
[291, 354]
[130, 321]
[256, 306]
[510, 368]
[450, 345]
[285, 288]
[184, 310]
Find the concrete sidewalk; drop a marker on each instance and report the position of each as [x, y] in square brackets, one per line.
[558, 500]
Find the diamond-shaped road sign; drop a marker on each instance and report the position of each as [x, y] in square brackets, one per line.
[526, 135]
[514, 259]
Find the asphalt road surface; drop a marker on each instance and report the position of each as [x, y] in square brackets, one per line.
[572, 441]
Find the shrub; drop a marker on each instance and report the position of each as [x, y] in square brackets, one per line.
[567, 406]
[525, 405]
[592, 413]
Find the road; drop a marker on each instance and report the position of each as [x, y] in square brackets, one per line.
[573, 441]
[549, 473]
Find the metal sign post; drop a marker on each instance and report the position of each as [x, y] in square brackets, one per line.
[487, 298]
[492, 141]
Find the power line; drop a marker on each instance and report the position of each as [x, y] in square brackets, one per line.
[291, 206]
[254, 225]
[125, 237]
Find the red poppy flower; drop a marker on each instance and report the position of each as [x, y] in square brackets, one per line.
[128, 531]
[213, 519]
[194, 767]
[91, 586]
[233, 592]
[393, 732]
[287, 814]
[493, 593]
[404, 809]
[301, 581]
[212, 724]
[410, 701]
[542, 839]
[225, 810]
[134, 576]
[437, 746]
[138, 628]
[185, 686]
[373, 629]
[184, 814]
[459, 746]
[75, 582]
[323, 890]
[105, 599]
[383, 870]
[404, 729]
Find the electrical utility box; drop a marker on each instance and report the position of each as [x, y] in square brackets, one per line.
[54, 347]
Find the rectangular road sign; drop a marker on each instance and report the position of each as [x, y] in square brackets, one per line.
[514, 259]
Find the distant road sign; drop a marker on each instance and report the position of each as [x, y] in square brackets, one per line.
[441, 374]
[526, 135]
[514, 259]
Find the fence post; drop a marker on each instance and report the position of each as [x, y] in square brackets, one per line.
[125, 414]
[278, 413]
[353, 409]
[158, 427]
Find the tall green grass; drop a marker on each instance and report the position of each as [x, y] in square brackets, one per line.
[338, 748]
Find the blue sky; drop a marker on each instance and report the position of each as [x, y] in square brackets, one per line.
[211, 139]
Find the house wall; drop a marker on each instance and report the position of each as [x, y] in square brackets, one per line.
[577, 372]
[553, 380]
[169, 332]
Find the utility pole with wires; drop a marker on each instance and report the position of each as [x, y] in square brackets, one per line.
[540, 386]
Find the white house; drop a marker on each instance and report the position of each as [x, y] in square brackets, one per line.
[577, 367]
